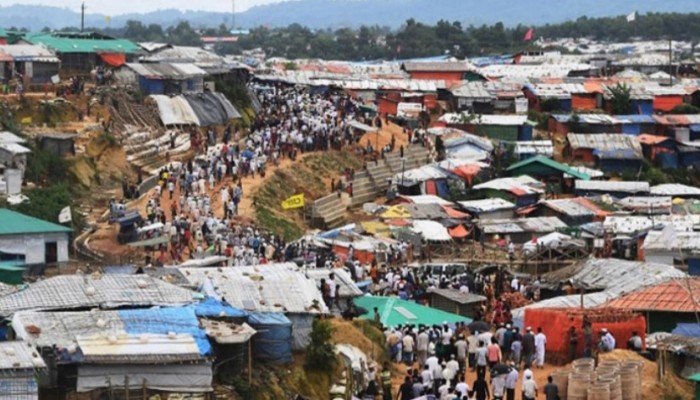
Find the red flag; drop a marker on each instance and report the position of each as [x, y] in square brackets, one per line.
[528, 35]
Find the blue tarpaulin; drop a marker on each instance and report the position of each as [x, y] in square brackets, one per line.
[215, 308]
[273, 342]
[164, 320]
[687, 329]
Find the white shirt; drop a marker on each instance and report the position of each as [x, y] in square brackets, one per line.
[331, 288]
[529, 388]
[462, 388]
[540, 340]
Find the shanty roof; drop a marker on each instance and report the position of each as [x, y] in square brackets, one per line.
[265, 288]
[72, 42]
[604, 142]
[458, 296]
[632, 187]
[138, 349]
[638, 223]
[9, 137]
[64, 328]
[19, 356]
[591, 119]
[445, 66]
[67, 292]
[533, 71]
[28, 52]
[228, 332]
[659, 241]
[14, 148]
[647, 204]
[579, 206]
[486, 205]
[593, 173]
[523, 225]
[519, 186]
[682, 295]
[14, 223]
[484, 119]
[551, 164]
[557, 91]
[541, 147]
[674, 190]
[472, 90]
[346, 286]
[616, 278]
[426, 199]
[166, 71]
[6, 289]
[183, 54]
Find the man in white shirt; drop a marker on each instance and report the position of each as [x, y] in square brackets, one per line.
[462, 388]
[408, 344]
[529, 388]
[422, 344]
[427, 378]
[453, 365]
[540, 343]
[511, 381]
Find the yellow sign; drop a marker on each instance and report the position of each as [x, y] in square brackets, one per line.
[296, 201]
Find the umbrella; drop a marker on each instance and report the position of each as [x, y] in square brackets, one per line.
[247, 154]
[499, 369]
[480, 326]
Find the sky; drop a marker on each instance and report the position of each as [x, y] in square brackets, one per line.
[117, 7]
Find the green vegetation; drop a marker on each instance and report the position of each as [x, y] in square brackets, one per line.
[45, 167]
[621, 98]
[685, 109]
[319, 353]
[277, 224]
[47, 202]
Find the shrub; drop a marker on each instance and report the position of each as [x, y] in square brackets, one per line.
[319, 353]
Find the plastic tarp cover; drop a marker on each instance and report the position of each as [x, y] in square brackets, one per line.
[170, 378]
[687, 329]
[301, 330]
[164, 320]
[431, 230]
[208, 108]
[211, 307]
[555, 324]
[113, 59]
[175, 111]
[273, 342]
[231, 111]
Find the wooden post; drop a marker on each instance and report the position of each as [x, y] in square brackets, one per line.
[126, 387]
[143, 388]
[250, 361]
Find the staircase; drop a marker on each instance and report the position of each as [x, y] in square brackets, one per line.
[328, 212]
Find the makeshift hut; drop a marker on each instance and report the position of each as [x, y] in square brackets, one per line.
[455, 301]
[522, 190]
[494, 208]
[20, 365]
[518, 230]
[270, 288]
[274, 339]
[27, 241]
[664, 305]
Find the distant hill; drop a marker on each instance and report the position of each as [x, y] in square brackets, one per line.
[336, 13]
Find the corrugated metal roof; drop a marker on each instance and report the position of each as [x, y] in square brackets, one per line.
[540, 147]
[593, 173]
[574, 207]
[533, 71]
[672, 296]
[185, 54]
[613, 186]
[472, 90]
[265, 288]
[458, 296]
[484, 119]
[591, 119]
[440, 66]
[72, 42]
[9, 137]
[14, 223]
[641, 223]
[556, 90]
[14, 148]
[426, 199]
[138, 349]
[67, 292]
[658, 241]
[521, 185]
[533, 225]
[674, 189]
[635, 119]
[616, 277]
[604, 141]
[28, 52]
[486, 205]
[166, 71]
[18, 356]
[346, 286]
[647, 204]
[548, 162]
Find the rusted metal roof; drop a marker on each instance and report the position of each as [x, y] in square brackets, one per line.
[681, 295]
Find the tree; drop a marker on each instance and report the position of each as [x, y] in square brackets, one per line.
[319, 353]
[620, 98]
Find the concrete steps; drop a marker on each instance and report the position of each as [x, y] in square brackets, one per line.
[329, 212]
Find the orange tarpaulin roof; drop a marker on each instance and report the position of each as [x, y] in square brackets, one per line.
[114, 59]
[459, 232]
[397, 222]
[652, 139]
[454, 213]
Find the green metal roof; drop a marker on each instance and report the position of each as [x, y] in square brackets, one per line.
[393, 311]
[82, 43]
[14, 223]
[695, 378]
[551, 164]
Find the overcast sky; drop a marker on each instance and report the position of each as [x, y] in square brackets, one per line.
[116, 7]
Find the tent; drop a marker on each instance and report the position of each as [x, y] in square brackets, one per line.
[394, 311]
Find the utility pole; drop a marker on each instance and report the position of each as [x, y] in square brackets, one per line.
[82, 17]
[670, 62]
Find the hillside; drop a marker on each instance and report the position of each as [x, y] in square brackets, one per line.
[334, 13]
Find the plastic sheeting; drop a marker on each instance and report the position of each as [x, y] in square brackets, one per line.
[211, 109]
[170, 378]
[164, 320]
[211, 307]
[274, 339]
[432, 231]
[175, 111]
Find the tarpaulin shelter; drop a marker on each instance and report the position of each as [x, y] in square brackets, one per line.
[273, 341]
[556, 322]
[394, 311]
[459, 232]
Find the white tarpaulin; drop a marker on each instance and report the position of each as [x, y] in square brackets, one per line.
[431, 230]
[175, 111]
[170, 378]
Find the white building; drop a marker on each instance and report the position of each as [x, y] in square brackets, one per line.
[31, 241]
